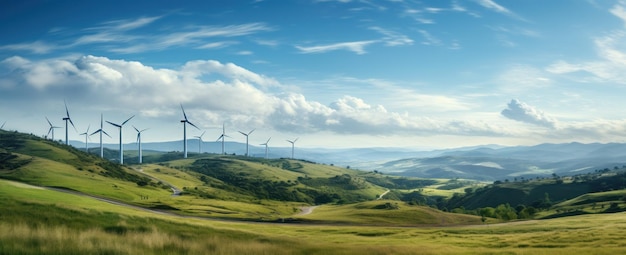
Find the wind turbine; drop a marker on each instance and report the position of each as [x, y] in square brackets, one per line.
[268, 140]
[139, 141]
[86, 138]
[223, 136]
[121, 145]
[51, 130]
[185, 121]
[247, 134]
[66, 119]
[200, 142]
[292, 146]
[101, 130]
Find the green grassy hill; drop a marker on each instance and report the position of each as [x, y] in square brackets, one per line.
[219, 186]
[41, 221]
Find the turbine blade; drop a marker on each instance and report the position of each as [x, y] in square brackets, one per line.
[220, 137]
[49, 130]
[144, 130]
[119, 126]
[202, 134]
[95, 132]
[268, 140]
[127, 120]
[67, 112]
[251, 131]
[243, 133]
[296, 139]
[5, 122]
[50, 123]
[106, 134]
[192, 124]
[136, 129]
[184, 114]
[72, 124]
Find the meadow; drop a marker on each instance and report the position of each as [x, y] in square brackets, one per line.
[42, 221]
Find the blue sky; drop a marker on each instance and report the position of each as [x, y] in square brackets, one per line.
[342, 73]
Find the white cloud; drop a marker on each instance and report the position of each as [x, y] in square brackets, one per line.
[37, 47]
[130, 24]
[216, 45]
[610, 67]
[490, 4]
[357, 47]
[519, 111]
[214, 92]
[429, 39]
[393, 38]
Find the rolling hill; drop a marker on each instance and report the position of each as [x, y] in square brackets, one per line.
[217, 186]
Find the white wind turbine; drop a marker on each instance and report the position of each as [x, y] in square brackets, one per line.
[292, 146]
[66, 119]
[247, 136]
[200, 142]
[185, 121]
[266, 143]
[139, 141]
[101, 130]
[86, 138]
[223, 136]
[51, 130]
[119, 126]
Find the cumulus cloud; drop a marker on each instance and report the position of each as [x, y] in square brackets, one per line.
[520, 111]
[214, 92]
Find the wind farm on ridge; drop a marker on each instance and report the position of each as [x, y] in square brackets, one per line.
[185, 150]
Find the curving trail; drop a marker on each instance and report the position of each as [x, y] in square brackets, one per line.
[175, 191]
[307, 210]
[381, 195]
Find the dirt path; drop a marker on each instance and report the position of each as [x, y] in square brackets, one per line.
[175, 191]
[382, 195]
[307, 210]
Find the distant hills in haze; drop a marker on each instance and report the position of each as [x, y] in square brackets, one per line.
[488, 162]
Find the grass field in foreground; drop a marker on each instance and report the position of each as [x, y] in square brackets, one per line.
[39, 221]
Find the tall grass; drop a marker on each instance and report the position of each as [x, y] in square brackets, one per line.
[20, 238]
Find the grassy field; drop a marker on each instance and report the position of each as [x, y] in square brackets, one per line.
[386, 213]
[39, 221]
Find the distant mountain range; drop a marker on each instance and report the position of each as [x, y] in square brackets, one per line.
[487, 162]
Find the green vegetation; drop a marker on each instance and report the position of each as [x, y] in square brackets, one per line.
[38, 221]
[453, 216]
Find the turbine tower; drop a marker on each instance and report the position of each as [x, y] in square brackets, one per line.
[223, 136]
[101, 130]
[119, 126]
[247, 135]
[66, 119]
[185, 121]
[268, 140]
[200, 142]
[86, 139]
[139, 141]
[51, 130]
[292, 146]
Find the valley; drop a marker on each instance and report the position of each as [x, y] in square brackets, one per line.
[227, 204]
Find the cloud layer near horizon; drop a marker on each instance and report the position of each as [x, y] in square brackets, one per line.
[215, 92]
